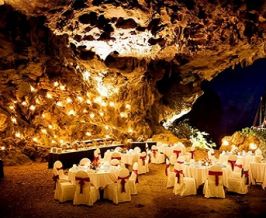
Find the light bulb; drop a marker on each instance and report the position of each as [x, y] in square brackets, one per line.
[32, 107]
[32, 89]
[3, 148]
[225, 142]
[106, 127]
[49, 95]
[59, 104]
[80, 99]
[101, 114]
[35, 139]
[50, 126]
[62, 87]
[61, 141]
[18, 135]
[112, 104]
[92, 115]
[85, 110]
[44, 131]
[88, 134]
[130, 130]
[24, 103]
[14, 120]
[123, 114]
[56, 84]
[71, 112]
[88, 101]
[128, 106]
[86, 75]
[69, 100]
[12, 107]
[53, 141]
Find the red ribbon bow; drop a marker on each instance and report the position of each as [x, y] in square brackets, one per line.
[180, 162]
[192, 154]
[239, 166]
[123, 183]
[137, 175]
[143, 159]
[154, 151]
[118, 158]
[177, 174]
[177, 152]
[246, 174]
[232, 162]
[166, 169]
[216, 174]
[82, 182]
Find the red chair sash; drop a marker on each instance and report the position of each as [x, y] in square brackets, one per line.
[216, 174]
[82, 182]
[180, 162]
[232, 163]
[246, 174]
[143, 159]
[96, 161]
[123, 183]
[166, 169]
[192, 154]
[239, 166]
[137, 175]
[177, 153]
[154, 151]
[177, 174]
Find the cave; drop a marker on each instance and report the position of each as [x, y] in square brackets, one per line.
[108, 101]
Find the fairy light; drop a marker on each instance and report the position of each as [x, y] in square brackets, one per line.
[111, 104]
[225, 142]
[116, 90]
[18, 135]
[101, 113]
[86, 75]
[3, 148]
[50, 126]
[123, 115]
[38, 101]
[106, 127]
[252, 146]
[62, 87]
[130, 130]
[107, 136]
[59, 104]
[56, 84]
[35, 139]
[71, 112]
[53, 141]
[32, 89]
[44, 131]
[69, 100]
[92, 115]
[88, 134]
[32, 107]
[61, 141]
[12, 107]
[49, 95]
[88, 101]
[14, 120]
[85, 110]
[80, 99]
[24, 103]
[128, 106]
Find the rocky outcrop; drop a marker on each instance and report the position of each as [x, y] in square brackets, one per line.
[73, 70]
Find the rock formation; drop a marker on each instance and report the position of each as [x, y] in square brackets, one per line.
[75, 70]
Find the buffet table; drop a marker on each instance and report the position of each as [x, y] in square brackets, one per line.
[1, 169]
[68, 158]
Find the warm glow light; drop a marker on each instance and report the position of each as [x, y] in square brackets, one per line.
[86, 75]
[107, 136]
[35, 139]
[32, 107]
[12, 107]
[44, 131]
[88, 101]
[38, 101]
[80, 99]
[56, 84]
[130, 130]
[49, 95]
[71, 112]
[61, 141]
[32, 89]
[18, 135]
[59, 104]
[14, 120]
[69, 100]
[92, 115]
[128, 106]
[123, 114]
[252, 146]
[112, 104]
[85, 110]
[225, 142]
[43, 115]
[98, 99]
[88, 134]
[24, 103]
[106, 127]
[115, 90]
[50, 126]
[62, 87]
[101, 113]
[53, 141]
[3, 148]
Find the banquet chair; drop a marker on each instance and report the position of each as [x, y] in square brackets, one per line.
[156, 156]
[183, 186]
[170, 175]
[85, 162]
[133, 179]
[143, 163]
[117, 156]
[58, 170]
[238, 166]
[238, 180]
[213, 186]
[119, 191]
[85, 193]
[137, 150]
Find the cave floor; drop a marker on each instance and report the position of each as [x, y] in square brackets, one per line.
[27, 191]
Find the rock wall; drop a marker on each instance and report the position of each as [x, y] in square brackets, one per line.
[75, 70]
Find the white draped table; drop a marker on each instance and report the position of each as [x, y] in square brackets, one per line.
[258, 173]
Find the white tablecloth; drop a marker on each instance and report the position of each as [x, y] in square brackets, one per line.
[127, 158]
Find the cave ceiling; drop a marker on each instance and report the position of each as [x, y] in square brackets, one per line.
[80, 69]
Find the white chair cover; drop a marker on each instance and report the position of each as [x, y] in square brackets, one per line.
[143, 163]
[156, 156]
[213, 186]
[133, 179]
[137, 149]
[85, 193]
[85, 162]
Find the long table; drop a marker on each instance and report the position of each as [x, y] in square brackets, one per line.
[69, 158]
[1, 169]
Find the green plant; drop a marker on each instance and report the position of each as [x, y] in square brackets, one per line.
[199, 140]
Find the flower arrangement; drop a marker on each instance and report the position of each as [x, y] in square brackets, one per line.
[199, 140]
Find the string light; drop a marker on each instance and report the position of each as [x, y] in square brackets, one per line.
[14, 120]
[130, 130]
[32, 107]
[32, 89]
[44, 131]
[59, 104]
[86, 75]
[80, 99]
[56, 84]
[24, 103]
[101, 113]
[88, 101]
[12, 107]
[71, 112]
[112, 104]
[69, 100]
[123, 115]
[38, 101]
[18, 135]
[252, 146]
[3, 148]
[92, 115]
[128, 106]
[225, 142]
[50, 126]
[35, 139]
[88, 134]
[62, 87]
[49, 95]
[106, 127]
[43, 115]
[61, 141]
[85, 110]
[53, 141]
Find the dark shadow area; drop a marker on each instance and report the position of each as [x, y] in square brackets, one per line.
[230, 100]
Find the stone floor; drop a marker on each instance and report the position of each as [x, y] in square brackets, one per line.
[27, 191]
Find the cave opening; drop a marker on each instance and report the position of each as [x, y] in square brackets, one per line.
[230, 101]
